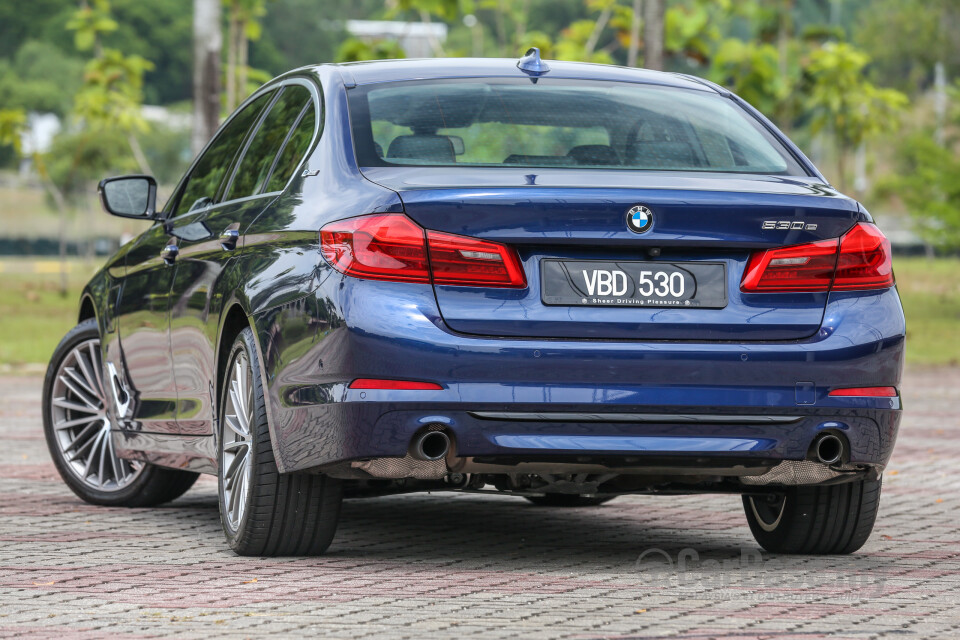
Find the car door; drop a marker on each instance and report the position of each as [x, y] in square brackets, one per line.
[209, 240]
[140, 373]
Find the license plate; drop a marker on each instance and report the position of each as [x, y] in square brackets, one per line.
[603, 283]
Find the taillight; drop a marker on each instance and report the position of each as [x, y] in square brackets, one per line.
[865, 261]
[393, 247]
[459, 260]
[378, 247]
[803, 267]
[862, 262]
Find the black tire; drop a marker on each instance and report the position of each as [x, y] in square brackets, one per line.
[282, 514]
[154, 485]
[567, 500]
[834, 519]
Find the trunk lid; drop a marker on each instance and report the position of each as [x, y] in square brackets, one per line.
[698, 220]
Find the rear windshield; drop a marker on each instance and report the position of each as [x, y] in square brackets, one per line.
[498, 122]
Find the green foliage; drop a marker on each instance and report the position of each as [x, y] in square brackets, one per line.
[77, 159]
[752, 70]
[112, 92]
[355, 50]
[928, 182]
[842, 100]
[89, 23]
[572, 44]
[905, 38]
[168, 151]
[40, 78]
[11, 126]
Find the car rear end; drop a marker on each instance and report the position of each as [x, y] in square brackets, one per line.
[596, 288]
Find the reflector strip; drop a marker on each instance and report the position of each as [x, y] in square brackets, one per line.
[403, 385]
[866, 392]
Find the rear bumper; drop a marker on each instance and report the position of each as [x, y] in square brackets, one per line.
[696, 404]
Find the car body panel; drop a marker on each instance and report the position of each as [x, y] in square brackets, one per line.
[687, 386]
[359, 329]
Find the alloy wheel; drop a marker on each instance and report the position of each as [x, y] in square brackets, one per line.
[80, 422]
[236, 441]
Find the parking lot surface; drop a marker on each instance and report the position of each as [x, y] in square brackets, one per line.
[455, 565]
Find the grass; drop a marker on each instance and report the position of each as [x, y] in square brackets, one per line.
[930, 291]
[34, 316]
[33, 313]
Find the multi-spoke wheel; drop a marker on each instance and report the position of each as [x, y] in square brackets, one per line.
[79, 434]
[80, 424]
[237, 418]
[264, 512]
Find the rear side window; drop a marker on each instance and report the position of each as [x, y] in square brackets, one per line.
[254, 168]
[203, 183]
[294, 149]
[504, 122]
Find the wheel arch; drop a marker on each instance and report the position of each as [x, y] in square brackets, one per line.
[234, 319]
[88, 310]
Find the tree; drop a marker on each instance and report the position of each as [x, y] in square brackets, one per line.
[653, 34]
[243, 26]
[112, 91]
[841, 100]
[207, 43]
[928, 182]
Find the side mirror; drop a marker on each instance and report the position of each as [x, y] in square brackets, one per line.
[129, 196]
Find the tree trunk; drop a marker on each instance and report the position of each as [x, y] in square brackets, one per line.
[243, 51]
[139, 155]
[653, 11]
[598, 28]
[61, 204]
[634, 35]
[207, 43]
[233, 26]
[435, 45]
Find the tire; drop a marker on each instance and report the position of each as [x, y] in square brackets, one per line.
[263, 512]
[74, 392]
[567, 500]
[834, 519]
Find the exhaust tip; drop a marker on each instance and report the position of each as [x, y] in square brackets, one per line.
[430, 445]
[829, 449]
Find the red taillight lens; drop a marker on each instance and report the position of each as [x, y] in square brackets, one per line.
[459, 260]
[377, 247]
[863, 262]
[803, 267]
[866, 392]
[394, 247]
[404, 385]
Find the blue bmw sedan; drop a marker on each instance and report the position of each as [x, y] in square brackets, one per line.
[558, 281]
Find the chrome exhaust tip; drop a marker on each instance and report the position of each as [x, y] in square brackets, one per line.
[829, 449]
[430, 445]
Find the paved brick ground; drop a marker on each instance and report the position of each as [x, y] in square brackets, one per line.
[459, 566]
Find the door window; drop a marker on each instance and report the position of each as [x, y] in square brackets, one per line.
[204, 181]
[253, 170]
[293, 150]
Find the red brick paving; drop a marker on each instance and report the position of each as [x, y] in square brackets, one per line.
[452, 565]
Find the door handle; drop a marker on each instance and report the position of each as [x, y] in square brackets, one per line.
[228, 239]
[169, 253]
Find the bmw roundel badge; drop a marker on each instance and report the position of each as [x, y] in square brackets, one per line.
[639, 218]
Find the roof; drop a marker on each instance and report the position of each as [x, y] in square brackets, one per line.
[376, 71]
